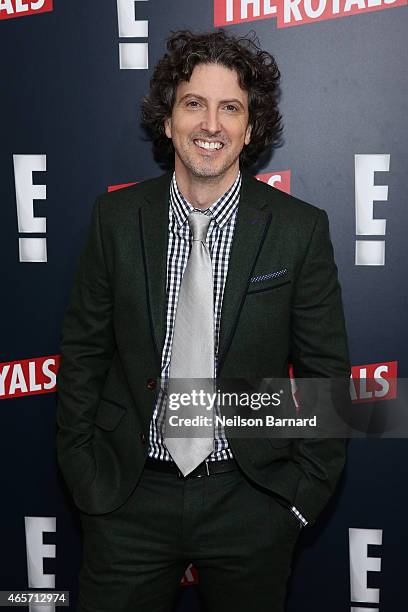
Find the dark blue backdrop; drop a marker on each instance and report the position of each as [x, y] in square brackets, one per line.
[63, 95]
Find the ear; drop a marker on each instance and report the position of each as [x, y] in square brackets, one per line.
[248, 134]
[167, 127]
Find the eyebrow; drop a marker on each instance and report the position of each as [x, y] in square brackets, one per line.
[193, 95]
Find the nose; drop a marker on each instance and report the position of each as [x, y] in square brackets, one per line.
[211, 121]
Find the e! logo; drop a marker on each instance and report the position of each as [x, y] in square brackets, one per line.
[32, 249]
[132, 55]
[369, 252]
[361, 564]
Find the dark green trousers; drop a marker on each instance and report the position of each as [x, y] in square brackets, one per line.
[239, 538]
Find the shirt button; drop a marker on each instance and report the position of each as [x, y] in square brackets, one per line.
[151, 384]
[142, 438]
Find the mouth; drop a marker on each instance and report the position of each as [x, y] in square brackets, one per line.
[208, 146]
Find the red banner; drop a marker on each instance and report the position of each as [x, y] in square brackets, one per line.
[28, 376]
[278, 179]
[23, 8]
[294, 12]
[374, 382]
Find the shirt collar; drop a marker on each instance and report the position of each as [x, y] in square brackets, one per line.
[221, 210]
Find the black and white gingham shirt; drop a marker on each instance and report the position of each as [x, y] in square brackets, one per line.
[220, 232]
[219, 241]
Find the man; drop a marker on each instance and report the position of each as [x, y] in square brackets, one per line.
[201, 272]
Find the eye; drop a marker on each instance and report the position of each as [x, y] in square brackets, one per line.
[193, 103]
[231, 107]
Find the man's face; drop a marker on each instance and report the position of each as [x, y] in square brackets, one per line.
[209, 122]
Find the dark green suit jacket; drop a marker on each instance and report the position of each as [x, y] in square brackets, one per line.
[114, 328]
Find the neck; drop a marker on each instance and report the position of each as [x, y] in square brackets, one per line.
[201, 192]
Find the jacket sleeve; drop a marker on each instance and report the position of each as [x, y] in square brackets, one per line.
[87, 347]
[319, 350]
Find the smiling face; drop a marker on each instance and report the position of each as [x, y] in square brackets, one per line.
[209, 123]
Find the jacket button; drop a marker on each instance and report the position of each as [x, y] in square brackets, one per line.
[143, 438]
[151, 384]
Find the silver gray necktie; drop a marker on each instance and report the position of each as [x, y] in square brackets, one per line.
[192, 354]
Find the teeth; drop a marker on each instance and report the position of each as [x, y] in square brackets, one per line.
[209, 145]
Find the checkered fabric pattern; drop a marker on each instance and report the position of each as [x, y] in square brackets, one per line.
[262, 277]
[219, 240]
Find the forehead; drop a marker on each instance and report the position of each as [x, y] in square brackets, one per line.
[213, 81]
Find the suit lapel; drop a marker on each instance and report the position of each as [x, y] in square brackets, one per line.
[154, 240]
[250, 230]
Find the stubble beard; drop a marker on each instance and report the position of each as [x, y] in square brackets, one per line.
[207, 169]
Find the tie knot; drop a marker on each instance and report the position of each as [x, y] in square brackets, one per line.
[199, 223]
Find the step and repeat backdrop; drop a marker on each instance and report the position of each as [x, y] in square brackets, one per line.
[72, 78]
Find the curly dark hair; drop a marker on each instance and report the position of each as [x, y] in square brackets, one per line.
[257, 72]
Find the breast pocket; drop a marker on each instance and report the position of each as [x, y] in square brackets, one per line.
[268, 281]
